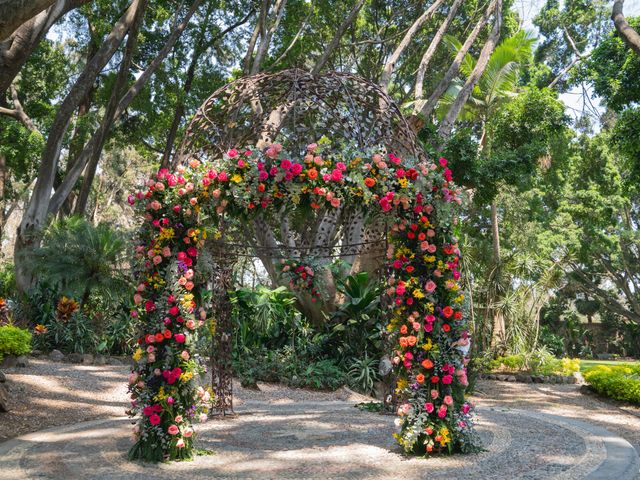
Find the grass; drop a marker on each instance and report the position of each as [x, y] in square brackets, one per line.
[584, 364]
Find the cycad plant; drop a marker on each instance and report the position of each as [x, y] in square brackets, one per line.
[80, 259]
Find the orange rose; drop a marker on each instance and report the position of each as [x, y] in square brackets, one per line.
[420, 378]
[427, 364]
[369, 182]
[312, 173]
[403, 329]
[403, 342]
[411, 340]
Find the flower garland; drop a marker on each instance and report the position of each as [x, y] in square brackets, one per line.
[426, 319]
[428, 324]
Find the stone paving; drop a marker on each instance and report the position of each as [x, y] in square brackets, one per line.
[328, 440]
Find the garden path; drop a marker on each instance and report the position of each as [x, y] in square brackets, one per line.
[529, 431]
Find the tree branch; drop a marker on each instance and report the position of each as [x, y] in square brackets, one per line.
[387, 71]
[428, 55]
[483, 60]
[336, 37]
[628, 34]
[427, 108]
[74, 173]
[304, 25]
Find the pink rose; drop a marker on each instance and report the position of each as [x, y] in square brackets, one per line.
[154, 419]
[430, 286]
[428, 407]
[232, 153]
[180, 338]
[173, 430]
[448, 400]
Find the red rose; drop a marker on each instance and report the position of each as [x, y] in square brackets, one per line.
[447, 311]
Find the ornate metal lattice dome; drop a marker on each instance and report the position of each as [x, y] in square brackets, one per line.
[296, 108]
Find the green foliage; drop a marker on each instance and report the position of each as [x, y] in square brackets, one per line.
[617, 382]
[266, 317]
[363, 373]
[14, 341]
[551, 341]
[7, 280]
[80, 259]
[287, 367]
[356, 326]
[537, 362]
[75, 335]
[613, 70]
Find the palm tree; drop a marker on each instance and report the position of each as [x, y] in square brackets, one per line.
[499, 84]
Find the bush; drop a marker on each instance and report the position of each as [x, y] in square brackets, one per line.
[539, 361]
[620, 382]
[286, 367]
[14, 341]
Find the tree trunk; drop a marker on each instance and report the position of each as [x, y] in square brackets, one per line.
[3, 190]
[499, 329]
[628, 34]
[14, 13]
[16, 49]
[107, 120]
[428, 55]
[72, 176]
[387, 71]
[428, 107]
[38, 207]
[483, 60]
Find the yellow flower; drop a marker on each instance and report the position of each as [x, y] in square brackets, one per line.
[186, 376]
[160, 395]
[417, 293]
[459, 298]
[236, 178]
[428, 345]
[402, 384]
[137, 354]
[403, 182]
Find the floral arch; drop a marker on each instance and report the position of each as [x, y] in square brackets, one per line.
[364, 186]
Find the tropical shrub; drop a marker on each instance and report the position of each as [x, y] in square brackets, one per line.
[539, 361]
[287, 367]
[79, 259]
[620, 382]
[14, 341]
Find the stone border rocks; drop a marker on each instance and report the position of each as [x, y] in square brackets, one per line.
[533, 378]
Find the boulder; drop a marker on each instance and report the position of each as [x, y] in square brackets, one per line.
[36, 353]
[385, 366]
[4, 399]
[74, 357]
[99, 360]
[9, 361]
[113, 361]
[511, 378]
[56, 356]
[3, 377]
[22, 361]
[502, 378]
[87, 358]
[538, 379]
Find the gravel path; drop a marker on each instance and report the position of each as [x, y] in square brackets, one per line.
[47, 394]
[530, 431]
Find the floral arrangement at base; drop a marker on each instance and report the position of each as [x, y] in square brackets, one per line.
[182, 209]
